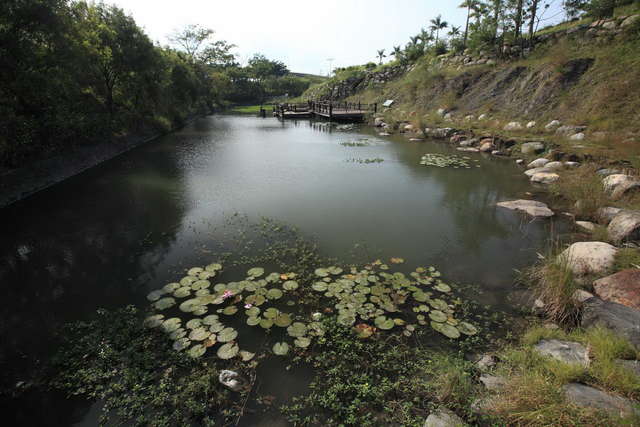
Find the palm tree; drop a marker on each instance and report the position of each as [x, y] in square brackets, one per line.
[469, 5]
[414, 40]
[454, 31]
[438, 24]
[397, 51]
[381, 55]
[426, 36]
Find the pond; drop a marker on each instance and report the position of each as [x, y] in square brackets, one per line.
[109, 236]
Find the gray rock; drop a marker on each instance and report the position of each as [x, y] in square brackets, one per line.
[630, 365]
[532, 147]
[554, 166]
[531, 124]
[553, 125]
[584, 258]
[531, 172]
[606, 214]
[589, 397]
[621, 319]
[607, 172]
[378, 122]
[571, 164]
[482, 117]
[586, 225]
[493, 382]
[545, 178]
[232, 380]
[468, 149]
[513, 126]
[538, 163]
[519, 161]
[440, 132]
[442, 417]
[630, 20]
[580, 295]
[625, 227]
[569, 352]
[569, 130]
[531, 207]
[486, 362]
[612, 183]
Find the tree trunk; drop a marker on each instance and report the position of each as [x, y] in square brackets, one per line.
[534, 11]
[466, 28]
[518, 19]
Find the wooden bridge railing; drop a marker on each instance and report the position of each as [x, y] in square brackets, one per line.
[326, 108]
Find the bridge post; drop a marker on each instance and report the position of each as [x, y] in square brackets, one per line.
[330, 111]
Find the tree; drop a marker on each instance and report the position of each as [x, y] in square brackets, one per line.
[380, 56]
[470, 5]
[191, 38]
[454, 31]
[438, 24]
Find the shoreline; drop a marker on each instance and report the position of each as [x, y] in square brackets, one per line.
[20, 183]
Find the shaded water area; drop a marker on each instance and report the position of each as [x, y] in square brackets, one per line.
[107, 237]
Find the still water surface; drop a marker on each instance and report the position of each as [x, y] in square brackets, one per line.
[108, 236]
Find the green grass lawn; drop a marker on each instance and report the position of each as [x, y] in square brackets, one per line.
[246, 109]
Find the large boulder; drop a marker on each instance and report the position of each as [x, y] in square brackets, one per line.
[617, 185]
[443, 417]
[569, 130]
[585, 258]
[621, 319]
[589, 397]
[622, 288]
[531, 207]
[625, 227]
[545, 177]
[606, 214]
[630, 20]
[569, 352]
[553, 125]
[532, 147]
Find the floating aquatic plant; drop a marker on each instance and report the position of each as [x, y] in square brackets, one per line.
[281, 348]
[445, 160]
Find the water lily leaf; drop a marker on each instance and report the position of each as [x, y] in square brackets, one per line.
[194, 323]
[206, 275]
[319, 286]
[282, 320]
[170, 287]
[302, 342]
[252, 312]
[396, 260]
[182, 292]
[246, 355]
[153, 321]
[202, 292]
[230, 310]
[187, 280]
[446, 330]
[216, 327]
[190, 305]
[364, 331]
[200, 284]
[177, 334]
[164, 303]
[290, 285]
[199, 334]
[253, 321]
[321, 272]
[210, 319]
[438, 316]
[227, 334]
[255, 299]
[228, 351]
[442, 287]
[197, 351]
[211, 341]
[255, 272]
[334, 270]
[181, 343]
[274, 293]
[439, 304]
[266, 323]
[467, 328]
[195, 271]
[347, 319]
[171, 325]
[213, 267]
[297, 329]
[271, 313]
[202, 310]
[281, 348]
[155, 295]
[384, 323]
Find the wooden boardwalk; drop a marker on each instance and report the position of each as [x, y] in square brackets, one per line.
[334, 111]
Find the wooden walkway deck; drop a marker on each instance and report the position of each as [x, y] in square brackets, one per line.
[335, 111]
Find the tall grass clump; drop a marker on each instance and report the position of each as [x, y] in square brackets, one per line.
[583, 189]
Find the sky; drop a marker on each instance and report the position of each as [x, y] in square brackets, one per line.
[303, 34]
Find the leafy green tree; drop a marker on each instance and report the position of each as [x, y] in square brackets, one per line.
[438, 24]
[381, 55]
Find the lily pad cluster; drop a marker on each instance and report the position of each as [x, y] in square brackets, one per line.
[374, 298]
[445, 160]
[194, 312]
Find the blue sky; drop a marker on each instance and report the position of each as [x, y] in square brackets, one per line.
[302, 34]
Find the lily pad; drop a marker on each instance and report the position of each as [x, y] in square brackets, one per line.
[384, 323]
[446, 330]
[170, 287]
[153, 321]
[227, 334]
[230, 310]
[266, 323]
[190, 305]
[228, 351]
[255, 272]
[210, 319]
[194, 323]
[182, 292]
[253, 321]
[181, 343]
[467, 328]
[196, 351]
[199, 334]
[177, 334]
[274, 293]
[164, 303]
[155, 295]
[282, 320]
[321, 272]
[297, 329]
[246, 355]
[200, 284]
[213, 267]
[302, 342]
[281, 348]
[319, 286]
[442, 287]
[290, 285]
[438, 316]
[171, 325]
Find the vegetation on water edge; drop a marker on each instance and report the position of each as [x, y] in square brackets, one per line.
[245, 109]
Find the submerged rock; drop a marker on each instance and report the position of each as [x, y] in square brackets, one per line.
[531, 207]
[625, 227]
[443, 417]
[232, 380]
[569, 352]
[621, 319]
[585, 258]
[589, 397]
[622, 288]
